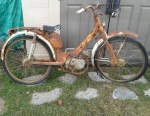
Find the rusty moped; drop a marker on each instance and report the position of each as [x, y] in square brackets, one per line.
[30, 53]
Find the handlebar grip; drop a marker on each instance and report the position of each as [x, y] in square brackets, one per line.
[80, 11]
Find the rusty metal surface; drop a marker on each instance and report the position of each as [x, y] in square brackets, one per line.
[56, 42]
[98, 28]
[126, 33]
[32, 29]
[54, 38]
[63, 56]
[104, 35]
[46, 63]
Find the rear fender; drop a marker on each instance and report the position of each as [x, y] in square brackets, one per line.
[25, 32]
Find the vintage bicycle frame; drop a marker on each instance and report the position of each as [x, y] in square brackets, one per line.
[62, 56]
[59, 56]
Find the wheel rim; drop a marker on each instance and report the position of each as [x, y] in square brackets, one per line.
[130, 57]
[27, 74]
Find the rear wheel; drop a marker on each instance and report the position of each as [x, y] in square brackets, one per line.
[17, 65]
[132, 60]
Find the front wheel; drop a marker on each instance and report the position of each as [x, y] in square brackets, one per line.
[132, 60]
[17, 65]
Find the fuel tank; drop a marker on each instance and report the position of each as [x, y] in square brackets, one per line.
[55, 39]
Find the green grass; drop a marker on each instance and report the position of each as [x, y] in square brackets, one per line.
[18, 99]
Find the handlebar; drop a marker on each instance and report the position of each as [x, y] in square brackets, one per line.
[92, 7]
[80, 11]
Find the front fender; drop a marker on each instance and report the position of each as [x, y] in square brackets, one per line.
[94, 50]
[111, 35]
[126, 33]
[25, 32]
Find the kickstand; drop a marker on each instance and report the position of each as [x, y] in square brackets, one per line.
[99, 74]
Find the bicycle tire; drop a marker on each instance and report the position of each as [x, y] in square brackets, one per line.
[132, 64]
[18, 51]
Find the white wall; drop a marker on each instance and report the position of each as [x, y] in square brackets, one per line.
[37, 13]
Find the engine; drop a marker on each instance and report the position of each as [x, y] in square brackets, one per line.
[75, 64]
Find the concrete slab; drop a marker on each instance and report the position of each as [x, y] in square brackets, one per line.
[147, 92]
[46, 97]
[32, 78]
[88, 94]
[95, 77]
[67, 78]
[2, 106]
[124, 93]
[142, 80]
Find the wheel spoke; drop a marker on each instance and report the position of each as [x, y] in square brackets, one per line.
[17, 65]
[131, 61]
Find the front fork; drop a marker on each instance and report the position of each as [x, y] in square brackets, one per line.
[32, 49]
[113, 58]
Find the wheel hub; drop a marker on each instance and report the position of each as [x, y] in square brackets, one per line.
[121, 63]
[26, 62]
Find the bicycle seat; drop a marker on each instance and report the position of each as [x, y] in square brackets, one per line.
[47, 28]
